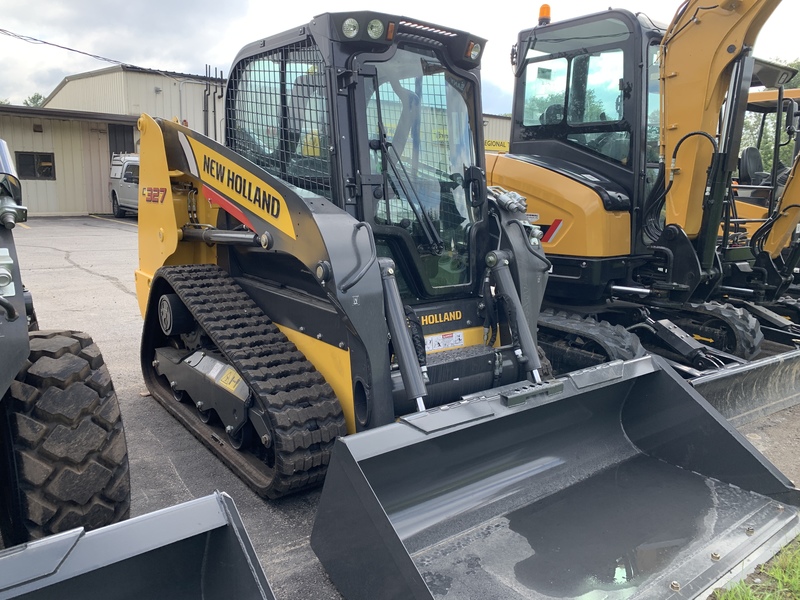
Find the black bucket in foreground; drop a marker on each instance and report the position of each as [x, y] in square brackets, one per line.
[615, 482]
[192, 551]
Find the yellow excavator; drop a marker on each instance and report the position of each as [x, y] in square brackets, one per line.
[336, 294]
[625, 136]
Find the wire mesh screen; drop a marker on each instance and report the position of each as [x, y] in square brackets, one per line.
[278, 116]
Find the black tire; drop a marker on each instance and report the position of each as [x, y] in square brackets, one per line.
[118, 211]
[64, 431]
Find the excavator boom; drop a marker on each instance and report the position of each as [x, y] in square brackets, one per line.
[710, 38]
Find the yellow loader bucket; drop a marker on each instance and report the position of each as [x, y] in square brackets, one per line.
[615, 482]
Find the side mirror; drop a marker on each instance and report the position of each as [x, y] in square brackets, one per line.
[791, 115]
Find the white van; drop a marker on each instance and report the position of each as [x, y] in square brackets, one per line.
[124, 184]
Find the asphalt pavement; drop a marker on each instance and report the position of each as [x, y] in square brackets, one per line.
[81, 273]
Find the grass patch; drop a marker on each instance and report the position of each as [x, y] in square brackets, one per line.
[779, 579]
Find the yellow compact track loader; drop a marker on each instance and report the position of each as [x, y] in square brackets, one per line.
[335, 293]
[624, 140]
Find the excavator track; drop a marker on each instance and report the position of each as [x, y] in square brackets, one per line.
[788, 307]
[304, 415]
[743, 334]
[572, 341]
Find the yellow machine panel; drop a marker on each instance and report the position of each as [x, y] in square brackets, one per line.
[584, 226]
[163, 204]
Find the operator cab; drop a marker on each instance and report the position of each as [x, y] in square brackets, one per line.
[582, 95]
[395, 142]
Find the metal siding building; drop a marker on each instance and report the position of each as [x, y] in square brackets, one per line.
[97, 91]
[78, 144]
[88, 117]
[496, 133]
[195, 100]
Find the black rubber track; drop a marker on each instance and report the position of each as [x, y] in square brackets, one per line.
[70, 455]
[744, 326]
[304, 414]
[556, 328]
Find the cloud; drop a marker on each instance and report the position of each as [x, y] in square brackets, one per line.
[179, 36]
[164, 35]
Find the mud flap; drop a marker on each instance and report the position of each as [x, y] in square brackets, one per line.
[621, 482]
[194, 550]
[744, 393]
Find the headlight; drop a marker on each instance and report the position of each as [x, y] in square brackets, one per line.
[375, 29]
[475, 51]
[350, 28]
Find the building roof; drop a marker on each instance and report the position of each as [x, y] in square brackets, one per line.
[133, 69]
[67, 115]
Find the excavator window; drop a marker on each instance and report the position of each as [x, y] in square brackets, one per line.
[280, 116]
[577, 93]
[653, 108]
[421, 122]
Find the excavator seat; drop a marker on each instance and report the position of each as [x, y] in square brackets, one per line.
[751, 167]
[552, 115]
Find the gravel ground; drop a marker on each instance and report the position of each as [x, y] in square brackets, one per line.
[778, 438]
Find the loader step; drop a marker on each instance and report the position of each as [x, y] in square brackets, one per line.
[302, 412]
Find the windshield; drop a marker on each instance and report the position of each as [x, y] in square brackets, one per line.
[577, 93]
[421, 123]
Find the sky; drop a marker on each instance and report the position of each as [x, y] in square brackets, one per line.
[185, 36]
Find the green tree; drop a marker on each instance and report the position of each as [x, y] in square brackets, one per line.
[794, 82]
[4, 101]
[34, 100]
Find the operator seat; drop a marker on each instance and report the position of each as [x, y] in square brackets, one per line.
[751, 168]
[552, 115]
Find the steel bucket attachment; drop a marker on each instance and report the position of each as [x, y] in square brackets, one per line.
[196, 550]
[748, 392]
[615, 482]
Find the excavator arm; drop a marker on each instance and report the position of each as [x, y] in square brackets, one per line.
[698, 54]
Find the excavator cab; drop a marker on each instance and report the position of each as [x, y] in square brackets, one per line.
[768, 149]
[625, 145]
